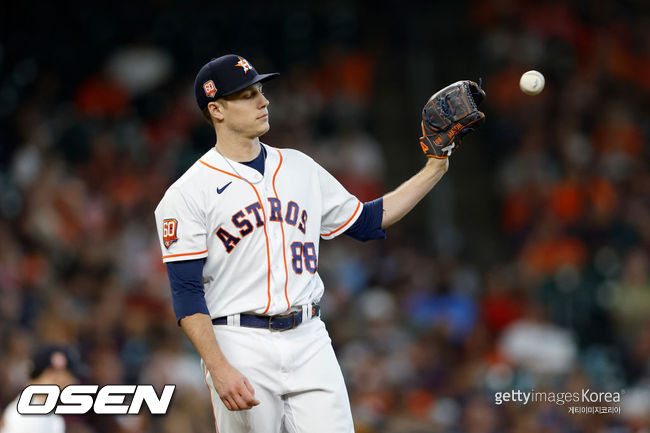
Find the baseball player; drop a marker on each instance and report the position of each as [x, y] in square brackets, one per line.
[50, 365]
[240, 233]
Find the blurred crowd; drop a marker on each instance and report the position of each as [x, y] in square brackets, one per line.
[425, 335]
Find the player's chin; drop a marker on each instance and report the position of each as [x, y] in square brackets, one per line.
[264, 128]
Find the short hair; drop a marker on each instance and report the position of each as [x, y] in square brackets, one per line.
[206, 114]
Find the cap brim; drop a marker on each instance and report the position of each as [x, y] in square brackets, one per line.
[260, 78]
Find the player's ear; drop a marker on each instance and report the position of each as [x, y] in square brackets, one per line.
[217, 109]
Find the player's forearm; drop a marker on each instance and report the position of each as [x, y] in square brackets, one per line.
[400, 201]
[198, 328]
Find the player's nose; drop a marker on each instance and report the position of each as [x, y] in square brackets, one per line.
[263, 101]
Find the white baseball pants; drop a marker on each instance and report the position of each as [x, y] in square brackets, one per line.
[296, 378]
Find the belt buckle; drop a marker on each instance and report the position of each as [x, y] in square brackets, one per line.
[293, 325]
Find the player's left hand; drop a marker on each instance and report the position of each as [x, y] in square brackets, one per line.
[448, 115]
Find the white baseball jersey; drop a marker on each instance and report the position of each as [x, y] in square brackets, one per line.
[13, 422]
[259, 234]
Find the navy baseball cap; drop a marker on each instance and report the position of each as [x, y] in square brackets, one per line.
[224, 76]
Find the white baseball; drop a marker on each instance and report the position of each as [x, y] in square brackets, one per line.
[532, 83]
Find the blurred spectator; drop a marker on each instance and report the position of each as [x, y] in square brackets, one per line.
[538, 346]
[55, 365]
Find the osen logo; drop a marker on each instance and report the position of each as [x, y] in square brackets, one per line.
[80, 399]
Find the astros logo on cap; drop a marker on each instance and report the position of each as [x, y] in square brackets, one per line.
[243, 63]
[209, 88]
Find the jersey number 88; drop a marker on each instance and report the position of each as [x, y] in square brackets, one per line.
[306, 251]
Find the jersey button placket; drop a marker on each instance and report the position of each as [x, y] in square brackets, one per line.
[277, 272]
[270, 227]
[278, 302]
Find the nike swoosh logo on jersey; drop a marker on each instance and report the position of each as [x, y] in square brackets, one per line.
[220, 190]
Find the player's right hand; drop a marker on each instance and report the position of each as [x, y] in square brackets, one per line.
[234, 389]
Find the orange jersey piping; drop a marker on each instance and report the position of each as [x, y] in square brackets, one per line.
[183, 254]
[346, 223]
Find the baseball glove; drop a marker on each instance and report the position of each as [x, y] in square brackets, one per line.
[448, 115]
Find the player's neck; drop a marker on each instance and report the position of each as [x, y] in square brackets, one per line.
[240, 150]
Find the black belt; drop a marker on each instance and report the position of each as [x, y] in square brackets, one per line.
[275, 323]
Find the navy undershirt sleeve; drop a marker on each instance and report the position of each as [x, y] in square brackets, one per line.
[186, 281]
[368, 225]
